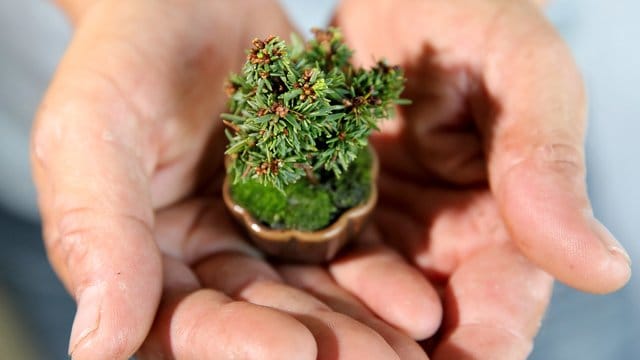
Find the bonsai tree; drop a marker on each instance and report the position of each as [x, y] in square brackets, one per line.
[298, 126]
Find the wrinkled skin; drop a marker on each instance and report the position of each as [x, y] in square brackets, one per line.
[126, 157]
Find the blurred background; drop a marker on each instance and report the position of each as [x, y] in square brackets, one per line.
[36, 313]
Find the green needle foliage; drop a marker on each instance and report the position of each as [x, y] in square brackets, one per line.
[302, 114]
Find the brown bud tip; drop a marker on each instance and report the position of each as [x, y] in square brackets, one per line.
[230, 88]
[258, 44]
[308, 73]
[374, 100]
[322, 36]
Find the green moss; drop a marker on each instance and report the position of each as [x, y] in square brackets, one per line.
[353, 187]
[305, 206]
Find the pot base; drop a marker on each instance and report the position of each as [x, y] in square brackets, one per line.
[306, 246]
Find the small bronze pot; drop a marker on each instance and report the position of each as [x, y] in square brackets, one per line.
[306, 246]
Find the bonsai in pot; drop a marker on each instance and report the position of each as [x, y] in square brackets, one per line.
[300, 172]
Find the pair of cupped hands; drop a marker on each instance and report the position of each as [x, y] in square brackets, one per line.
[482, 190]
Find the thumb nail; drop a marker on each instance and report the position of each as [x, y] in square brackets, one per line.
[609, 241]
[87, 316]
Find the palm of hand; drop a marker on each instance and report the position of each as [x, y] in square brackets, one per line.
[446, 158]
[437, 209]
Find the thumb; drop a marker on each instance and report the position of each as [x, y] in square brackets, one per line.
[97, 215]
[536, 158]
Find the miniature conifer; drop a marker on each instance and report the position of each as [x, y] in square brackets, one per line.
[303, 114]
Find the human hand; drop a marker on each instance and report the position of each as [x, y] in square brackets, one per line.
[483, 175]
[126, 149]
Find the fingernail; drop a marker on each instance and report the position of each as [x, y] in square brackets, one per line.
[612, 244]
[87, 316]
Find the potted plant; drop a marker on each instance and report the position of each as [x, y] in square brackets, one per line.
[300, 173]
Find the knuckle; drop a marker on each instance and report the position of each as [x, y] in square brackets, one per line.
[298, 342]
[74, 248]
[69, 245]
[79, 236]
[43, 136]
[562, 157]
[60, 127]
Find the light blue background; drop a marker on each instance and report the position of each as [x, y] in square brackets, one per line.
[604, 37]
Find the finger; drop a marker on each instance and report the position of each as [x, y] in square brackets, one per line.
[97, 218]
[493, 306]
[188, 232]
[391, 288]
[337, 336]
[535, 133]
[92, 159]
[318, 282]
[206, 324]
